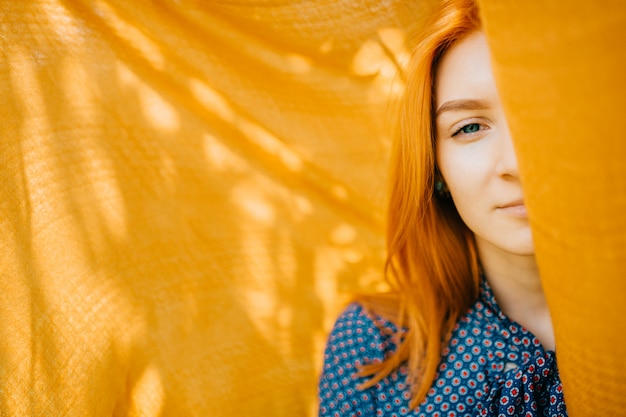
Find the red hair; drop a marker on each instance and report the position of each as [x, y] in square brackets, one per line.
[432, 263]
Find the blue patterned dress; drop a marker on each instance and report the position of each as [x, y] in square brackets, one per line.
[492, 366]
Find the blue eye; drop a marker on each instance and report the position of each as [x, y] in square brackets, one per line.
[468, 129]
[471, 128]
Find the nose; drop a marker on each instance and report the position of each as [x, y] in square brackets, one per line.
[507, 160]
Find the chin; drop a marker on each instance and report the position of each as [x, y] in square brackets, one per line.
[524, 248]
[523, 244]
[527, 252]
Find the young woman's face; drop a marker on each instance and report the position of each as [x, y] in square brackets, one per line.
[474, 150]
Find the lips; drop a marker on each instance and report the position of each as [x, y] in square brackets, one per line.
[512, 204]
[515, 209]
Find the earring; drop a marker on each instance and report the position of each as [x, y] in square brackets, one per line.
[442, 189]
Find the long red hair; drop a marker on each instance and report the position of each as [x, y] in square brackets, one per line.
[432, 263]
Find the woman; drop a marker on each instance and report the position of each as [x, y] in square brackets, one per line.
[466, 329]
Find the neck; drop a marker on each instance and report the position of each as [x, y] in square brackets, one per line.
[517, 288]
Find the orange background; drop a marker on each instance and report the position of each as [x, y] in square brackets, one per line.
[190, 190]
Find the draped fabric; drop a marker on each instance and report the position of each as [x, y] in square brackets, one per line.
[189, 190]
[560, 71]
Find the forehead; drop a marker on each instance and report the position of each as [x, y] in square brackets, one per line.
[464, 71]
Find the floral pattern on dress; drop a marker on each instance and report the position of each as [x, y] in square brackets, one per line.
[491, 366]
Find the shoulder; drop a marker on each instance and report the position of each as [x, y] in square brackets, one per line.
[361, 335]
[358, 338]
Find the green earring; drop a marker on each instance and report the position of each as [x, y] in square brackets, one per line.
[442, 189]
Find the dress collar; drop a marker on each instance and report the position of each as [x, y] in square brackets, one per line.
[500, 325]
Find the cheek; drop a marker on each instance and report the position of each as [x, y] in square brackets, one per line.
[466, 174]
[465, 182]
[465, 199]
[461, 169]
[465, 193]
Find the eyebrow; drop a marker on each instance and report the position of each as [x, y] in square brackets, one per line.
[459, 105]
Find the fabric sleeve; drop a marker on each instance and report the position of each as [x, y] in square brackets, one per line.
[355, 340]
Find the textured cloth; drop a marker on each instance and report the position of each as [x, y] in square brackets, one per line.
[190, 189]
[559, 67]
[187, 191]
[492, 366]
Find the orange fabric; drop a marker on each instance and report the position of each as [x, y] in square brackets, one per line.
[560, 69]
[188, 191]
